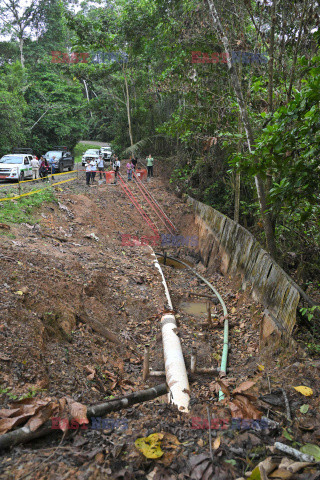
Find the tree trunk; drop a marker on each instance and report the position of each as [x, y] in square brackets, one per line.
[266, 220]
[128, 105]
[270, 94]
[295, 56]
[24, 434]
[271, 56]
[236, 216]
[21, 51]
[237, 197]
[87, 93]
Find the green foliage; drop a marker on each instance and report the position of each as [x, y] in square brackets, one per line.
[21, 210]
[12, 108]
[32, 392]
[310, 312]
[289, 149]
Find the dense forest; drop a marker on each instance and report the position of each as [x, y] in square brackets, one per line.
[226, 92]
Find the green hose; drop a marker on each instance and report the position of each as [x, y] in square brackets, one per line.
[225, 313]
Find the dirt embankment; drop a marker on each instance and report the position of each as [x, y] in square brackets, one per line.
[67, 282]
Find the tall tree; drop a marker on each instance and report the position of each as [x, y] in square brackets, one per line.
[20, 19]
[267, 224]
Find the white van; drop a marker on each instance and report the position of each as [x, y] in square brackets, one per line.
[16, 166]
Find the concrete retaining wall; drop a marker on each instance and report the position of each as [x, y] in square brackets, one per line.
[229, 247]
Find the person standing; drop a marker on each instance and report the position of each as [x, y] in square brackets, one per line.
[44, 169]
[100, 166]
[116, 168]
[150, 166]
[35, 167]
[130, 168]
[52, 166]
[88, 173]
[93, 164]
[134, 161]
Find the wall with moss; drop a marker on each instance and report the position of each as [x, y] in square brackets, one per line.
[229, 247]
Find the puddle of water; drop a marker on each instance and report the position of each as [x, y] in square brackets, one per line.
[171, 263]
[194, 308]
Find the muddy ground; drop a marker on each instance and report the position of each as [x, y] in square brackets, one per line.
[67, 281]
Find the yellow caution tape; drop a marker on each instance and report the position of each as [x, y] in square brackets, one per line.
[49, 174]
[36, 179]
[62, 181]
[35, 191]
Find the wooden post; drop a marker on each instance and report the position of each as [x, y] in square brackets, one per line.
[193, 360]
[146, 362]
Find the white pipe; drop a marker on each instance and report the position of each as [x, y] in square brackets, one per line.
[176, 374]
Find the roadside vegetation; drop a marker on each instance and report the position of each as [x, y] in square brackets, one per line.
[21, 210]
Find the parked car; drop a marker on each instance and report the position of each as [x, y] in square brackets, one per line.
[106, 152]
[89, 155]
[16, 166]
[63, 159]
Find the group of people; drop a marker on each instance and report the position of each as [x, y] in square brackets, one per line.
[98, 165]
[41, 168]
[92, 167]
[132, 165]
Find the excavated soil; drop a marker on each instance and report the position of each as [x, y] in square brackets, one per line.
[68, 282]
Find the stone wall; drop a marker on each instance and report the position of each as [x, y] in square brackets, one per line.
[229, 247]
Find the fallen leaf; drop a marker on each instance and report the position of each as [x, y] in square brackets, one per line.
[216, 443]
[281, 473]
[241, 407]
[267, 465]
[41, 417]
[78, 411]
[169, 441]
[304, 408]
[9, 412]
[150, 446]
[19, 292]
[260, 367]
[202, 468]
[287, 435]
[296, 466]
[311, 449]
[92, 372]
[244, 386]
[7, 424]
[306, 391]
[275, 399]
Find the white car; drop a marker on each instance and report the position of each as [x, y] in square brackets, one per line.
[106, 152]
[16, 166]
[89, 155]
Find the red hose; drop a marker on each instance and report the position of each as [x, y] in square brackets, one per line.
[131, 196]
